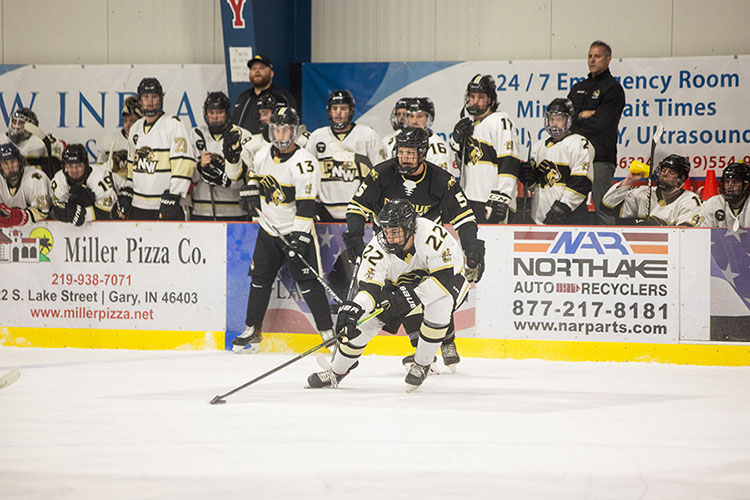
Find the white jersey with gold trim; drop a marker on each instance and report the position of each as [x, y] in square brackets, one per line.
[487, 167]
[225, 200]
[716, 212]
[682, 211]
[344, 160]
[100, 182]
[160, 158]
[431, 266]
[114, 140]
[31, 194]
[288, 188]
[570, 180]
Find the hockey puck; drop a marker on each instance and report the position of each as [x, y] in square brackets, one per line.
[217, 401]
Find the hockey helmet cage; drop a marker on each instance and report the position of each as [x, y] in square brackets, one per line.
[283, 116]
[397, 213]
[559, 106]
[412, 137]
[216, 100]
[402, 103]
[740, 172]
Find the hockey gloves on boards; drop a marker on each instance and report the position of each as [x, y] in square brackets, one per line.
[355, 245]
[474, 260]
[10, 217]
[346, 321]
[232, 145]
[497, 207]
[299, 242]
[72, 213]
[125, 201]
[558, 213]
[169, 207]
[250, 199]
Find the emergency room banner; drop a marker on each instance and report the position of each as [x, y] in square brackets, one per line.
[114, 275]
[81, 103]
[700, 100]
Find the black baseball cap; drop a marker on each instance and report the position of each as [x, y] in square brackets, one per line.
[259, 59]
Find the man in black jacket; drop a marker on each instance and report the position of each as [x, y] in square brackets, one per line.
[599, 101]
[245, 113]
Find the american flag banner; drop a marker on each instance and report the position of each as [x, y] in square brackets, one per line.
[730, 285]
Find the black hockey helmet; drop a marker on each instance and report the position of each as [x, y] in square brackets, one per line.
[402, 104]
[130, 107]
[483, 84]
[412, 137]
[559, 107]
[18, 120]
[216, 100]
[740, 172]
[398, 213]
[679, 164]
[267, 101]
[284, 116]
[341, 96]
[150, 85]
[422, 104]
[76, 153]
[8, 152]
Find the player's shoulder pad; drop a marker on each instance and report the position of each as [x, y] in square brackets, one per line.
[384, 172]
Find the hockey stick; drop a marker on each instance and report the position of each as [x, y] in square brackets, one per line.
[9, 377]
[523, 189]
[36, 131]
[220, 399]
[291, 253]
[654, 140]
[213, 205]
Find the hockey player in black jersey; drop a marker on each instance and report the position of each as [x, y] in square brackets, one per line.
[435, 195]
[286, 180]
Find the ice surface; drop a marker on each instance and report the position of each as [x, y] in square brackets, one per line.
[105, 424]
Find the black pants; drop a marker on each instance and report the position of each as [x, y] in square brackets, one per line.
[268, 257]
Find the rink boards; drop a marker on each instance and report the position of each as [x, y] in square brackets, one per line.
[586, 294]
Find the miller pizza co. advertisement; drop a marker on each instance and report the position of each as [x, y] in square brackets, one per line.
[150, 276]
[608, 284]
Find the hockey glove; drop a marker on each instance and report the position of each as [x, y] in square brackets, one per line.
[213, 174]
[558, 213]
[73, 213]
[81, 195]
[299, 242]
[474, 260]
[355, 245]
[250, 199]
[528, 174]
[125, 200]
[463, 131]
[547, 173]
[402, 300]
[10, 217]
[346, 321]
[169, 207]
[232, 145]
[497, 207]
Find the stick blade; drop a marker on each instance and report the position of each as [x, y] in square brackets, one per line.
[10, 377]
[218, 400]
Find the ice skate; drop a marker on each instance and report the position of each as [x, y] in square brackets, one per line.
[248, 340]
[326, 378]
[450, 355]
[415, 377]
[408, 360]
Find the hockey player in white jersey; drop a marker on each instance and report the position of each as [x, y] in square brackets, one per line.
[487, 153]
[287, 179]
[117, 140]
[731, 208]
[223, 159]
[667, 205]
[398, 122]
[24, 190]
[421, 113]
[82, 192]
[560, 172]
[160, 160]
[43, 153]
[425, 264]
[346, 151]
